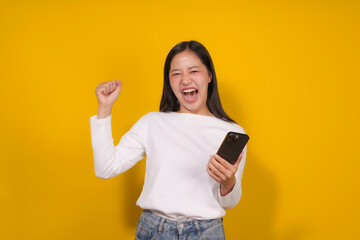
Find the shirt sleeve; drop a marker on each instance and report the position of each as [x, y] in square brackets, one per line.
[110, 160]
[232, 198]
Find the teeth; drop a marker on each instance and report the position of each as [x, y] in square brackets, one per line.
[189, 90]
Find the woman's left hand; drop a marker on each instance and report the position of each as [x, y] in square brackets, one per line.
[223, 172]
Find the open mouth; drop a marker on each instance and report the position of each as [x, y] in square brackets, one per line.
[190, 94]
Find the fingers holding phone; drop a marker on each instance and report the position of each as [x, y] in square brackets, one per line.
[239, 160]
[223, 166]
[223, 172]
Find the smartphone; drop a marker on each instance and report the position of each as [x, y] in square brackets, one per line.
[232, 146]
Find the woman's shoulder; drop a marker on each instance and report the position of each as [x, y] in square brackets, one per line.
[239, 128]
[233, 126]
[204, 120]
[158, 114]
[151, 116]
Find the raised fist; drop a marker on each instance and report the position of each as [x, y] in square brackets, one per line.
[108, 92]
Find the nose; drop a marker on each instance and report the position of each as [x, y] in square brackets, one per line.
[186, 79]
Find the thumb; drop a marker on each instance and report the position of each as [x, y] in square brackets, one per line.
[238, 160]
[118, 86]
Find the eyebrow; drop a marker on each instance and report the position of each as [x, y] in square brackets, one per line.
[188, 68]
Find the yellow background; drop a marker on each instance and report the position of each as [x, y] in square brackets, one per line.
[288, 73]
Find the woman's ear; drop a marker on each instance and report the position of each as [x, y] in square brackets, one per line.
[210, 76]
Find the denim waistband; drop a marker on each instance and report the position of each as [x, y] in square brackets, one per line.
[162, 223]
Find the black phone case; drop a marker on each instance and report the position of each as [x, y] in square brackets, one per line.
[232, 146]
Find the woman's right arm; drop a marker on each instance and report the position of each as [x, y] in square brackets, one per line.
[112, 160]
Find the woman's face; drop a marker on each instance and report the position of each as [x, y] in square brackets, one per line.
[189, 80]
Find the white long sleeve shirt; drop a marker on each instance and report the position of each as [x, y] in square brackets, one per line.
[178, 147]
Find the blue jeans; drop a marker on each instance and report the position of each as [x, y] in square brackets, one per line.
[152, 226]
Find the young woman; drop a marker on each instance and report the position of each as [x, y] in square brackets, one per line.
[187, 186]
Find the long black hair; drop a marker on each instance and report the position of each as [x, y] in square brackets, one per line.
[169, 102]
